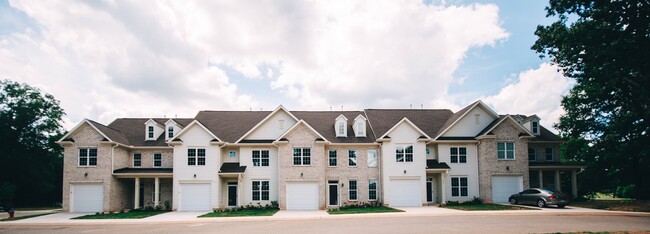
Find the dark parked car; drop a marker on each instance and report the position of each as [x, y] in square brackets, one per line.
[540, 197]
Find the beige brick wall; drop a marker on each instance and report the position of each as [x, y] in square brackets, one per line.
[126, 159]
[489, 165]
[540, 151]
[301, 136]
[361, 173]
[165, 192]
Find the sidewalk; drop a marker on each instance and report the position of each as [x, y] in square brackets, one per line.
[20, 213]
[191, 217]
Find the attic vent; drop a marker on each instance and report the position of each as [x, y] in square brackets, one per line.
[478, 118]
[281, 124]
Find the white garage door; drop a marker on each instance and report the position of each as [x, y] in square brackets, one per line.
[504, 186]
[87, 197]
[405, 193]
[302, 196]
[195, 197]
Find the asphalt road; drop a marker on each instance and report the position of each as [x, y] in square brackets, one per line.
[439, 224]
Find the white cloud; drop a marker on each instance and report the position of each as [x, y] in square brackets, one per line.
[536, 91]
[112, 59]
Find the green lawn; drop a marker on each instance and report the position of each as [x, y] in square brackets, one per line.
[237, 213]
[126, 215]
[488, 207]
[24, 217]
[617, 205]
[360, 210]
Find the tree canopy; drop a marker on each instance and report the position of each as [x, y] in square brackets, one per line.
[31, 162]
[605, 46]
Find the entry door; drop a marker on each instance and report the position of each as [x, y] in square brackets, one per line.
[333, 193]
[429, 190]
[232, 194]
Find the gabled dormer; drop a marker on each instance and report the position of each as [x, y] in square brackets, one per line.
[532, 123]
[152, 130]
[341, 126]
[171, 129]
[359, 126]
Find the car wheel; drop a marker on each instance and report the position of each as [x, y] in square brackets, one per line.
[561, 206]
[541, 203]
[513, 201]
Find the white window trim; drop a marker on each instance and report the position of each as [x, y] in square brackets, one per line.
[302, 157]
[336, 154]
[376, 189]
[459, 185]
[196, 157]
[356, 190]
[260, 150]
[458, 156]
[552, 154]
[170, 127]
[514, 151]
[360, 128]
[87, 156]
[151, 129]
[133, 160]
[260, 190]
[405, 146]
[230, 153]
[356, 157]
[534, 129]
[376, 158]
[153, 159]
[338, 128]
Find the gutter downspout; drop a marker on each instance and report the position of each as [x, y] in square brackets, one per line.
[113, 158]
[380, 159]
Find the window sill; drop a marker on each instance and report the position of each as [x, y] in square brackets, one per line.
[87, 166]
[506, 159]
[301, 165]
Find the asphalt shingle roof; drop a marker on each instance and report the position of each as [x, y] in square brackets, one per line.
[323, 123]
[229, 126]
[430, 121]
[133, 130]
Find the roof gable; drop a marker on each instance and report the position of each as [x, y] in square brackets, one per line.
[500, 120]
[455, 118]
[302, 122]
[265, 120]
[189, 126]
[405, 121]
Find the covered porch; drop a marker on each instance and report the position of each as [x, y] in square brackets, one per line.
[232, 186]
[435, 181]
[151, 187]
[555, 175]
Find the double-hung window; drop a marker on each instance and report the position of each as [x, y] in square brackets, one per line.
[535, 127]
[137, 160]
[506, 150]
[372, 158]
[260, 190]
[352, 190]
[150, 132]
[531, 154]
[260, 158]
[170, 132]
[87, 157]
[301, 156]
[549, 154]
[195, 156]
[157, 160]
[352, 158]
[459, 186]
[372, 189]
[458, 154]
[332, 158]
[404, 153]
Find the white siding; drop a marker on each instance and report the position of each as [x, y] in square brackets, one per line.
[467, 126]
[403, 134]
[196, 137]
[271, 128]
[469, 170]
[259, 173]
[225, 155]
[157, 130]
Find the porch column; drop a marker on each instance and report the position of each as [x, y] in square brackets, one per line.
[156, 191]
[574, 183]
[443, 188]
[540, 178]
[557, 180]
[137, 194]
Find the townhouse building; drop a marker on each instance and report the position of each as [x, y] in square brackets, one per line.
[309, 160]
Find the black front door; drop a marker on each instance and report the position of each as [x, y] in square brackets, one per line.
[429, 191]
[334, 194]
[232, 195]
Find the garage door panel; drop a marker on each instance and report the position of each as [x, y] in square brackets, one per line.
[405, 193]
[302, 196]
[87, 198]
[504, 186]
[195, 197]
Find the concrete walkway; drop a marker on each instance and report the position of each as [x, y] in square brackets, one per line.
[20, 213]
[191, 217]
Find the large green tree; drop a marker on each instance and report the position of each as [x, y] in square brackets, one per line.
[604, 45]
[30, 160]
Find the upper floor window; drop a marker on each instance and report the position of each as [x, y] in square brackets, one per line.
[137, 160]
[352, 158]
[531, 154]
[535, 127]
[549, 154]
[157, 160]
[340, 126]
[372, 158]
[340, 129]
[458, 154]
[150, 132]
[87, 157]
[232, 154]
[170, 132]
[260, 158]
[195, 156]
[404, 153]
[332, 158]
[506, 150]
[301, 156]
[459, 186]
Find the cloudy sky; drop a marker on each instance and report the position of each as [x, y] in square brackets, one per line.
[113, 58]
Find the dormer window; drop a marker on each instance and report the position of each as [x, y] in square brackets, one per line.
[340, 126]
[170, 132]
[535, 127]
[359, 126]
[150, 132]
[360, 129]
